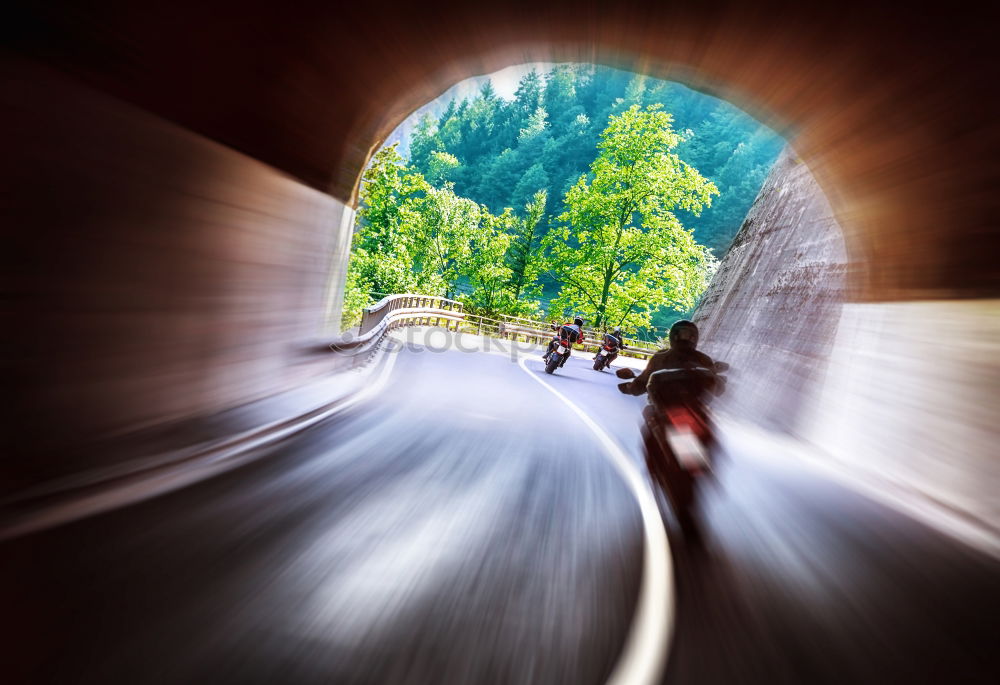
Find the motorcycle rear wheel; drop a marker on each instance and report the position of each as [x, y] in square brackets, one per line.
[553, 363]
[676, 484]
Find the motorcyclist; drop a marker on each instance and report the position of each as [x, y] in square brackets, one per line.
[661, 457]
[614, 338]
[573, 332]
[617, 335]
[682, 354]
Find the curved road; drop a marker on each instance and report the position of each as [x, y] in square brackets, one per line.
[465, 527]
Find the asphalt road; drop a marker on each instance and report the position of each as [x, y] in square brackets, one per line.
[465, 528]
[798, 579]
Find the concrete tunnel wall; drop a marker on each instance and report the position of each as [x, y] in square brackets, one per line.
[181, 176]
[158, 276]
[772, 309]
[899, 395]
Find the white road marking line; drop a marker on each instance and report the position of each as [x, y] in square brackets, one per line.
[645, 653]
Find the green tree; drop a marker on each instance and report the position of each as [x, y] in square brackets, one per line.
[621, 252]
[576, 102]
[445, 228]
[532, 141]
[388, 189]
[425, 141]
[497, 154]
[533, 180]
[560, 92]
[502, 174]
[440, 166]
[382, 254]
[527, 99]
[534, 126]
[525, 258]
[635, 94]
[479, 122]
[485, 268]
[357, 294]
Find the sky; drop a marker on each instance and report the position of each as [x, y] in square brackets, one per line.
[505, 81]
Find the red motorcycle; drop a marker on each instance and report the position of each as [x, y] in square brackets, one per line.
[607, 354]
[677, 432]
[560, 348]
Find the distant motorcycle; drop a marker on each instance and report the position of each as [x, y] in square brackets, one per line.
[560, 353]
[677, 432]
[607, 354]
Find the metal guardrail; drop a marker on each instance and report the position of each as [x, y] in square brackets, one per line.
[541, 332]
[391, 312]
[430, 310]
[373, 315]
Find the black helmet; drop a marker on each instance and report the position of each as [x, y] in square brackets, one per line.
[618, 329]
[578, 321]
[684, 333]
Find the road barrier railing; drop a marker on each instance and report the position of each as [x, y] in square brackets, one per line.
[540, 332]
[394, 311]
[410, 309]
[372, 316]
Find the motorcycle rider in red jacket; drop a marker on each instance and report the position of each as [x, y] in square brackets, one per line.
[573, 332]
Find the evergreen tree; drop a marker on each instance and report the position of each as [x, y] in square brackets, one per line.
[524, 257]
[555, 120]
[424, 141]
[560, 92]
[534, 180]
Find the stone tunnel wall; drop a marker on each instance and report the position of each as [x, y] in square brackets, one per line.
[899, 396]
[772, 309]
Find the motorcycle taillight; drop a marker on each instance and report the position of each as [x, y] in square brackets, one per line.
[682, 417]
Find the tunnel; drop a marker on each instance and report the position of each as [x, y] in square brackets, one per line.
[184, 181]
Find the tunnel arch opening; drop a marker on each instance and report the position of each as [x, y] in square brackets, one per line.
[757, 99]
[485, 125]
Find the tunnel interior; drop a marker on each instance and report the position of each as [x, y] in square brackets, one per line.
[198, 482]
[184, 231]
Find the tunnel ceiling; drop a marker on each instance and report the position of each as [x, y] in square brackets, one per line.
[890, 109]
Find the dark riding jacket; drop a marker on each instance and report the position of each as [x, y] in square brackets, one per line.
[673, 358]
